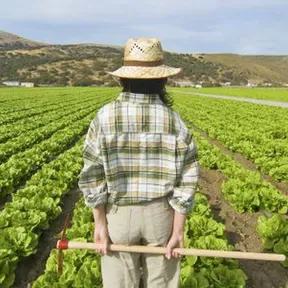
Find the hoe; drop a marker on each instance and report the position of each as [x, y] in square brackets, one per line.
[64, 244]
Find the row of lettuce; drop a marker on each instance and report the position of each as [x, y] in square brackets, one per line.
[23, 126]
[17, 104]
[246, 191]
[259, 132]
[63, 134]
[32, 138]
[22, 165]
[33, 207]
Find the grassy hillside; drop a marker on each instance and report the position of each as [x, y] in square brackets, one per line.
[10, 41]
[257, 68]
[86, 64]
[60, 64]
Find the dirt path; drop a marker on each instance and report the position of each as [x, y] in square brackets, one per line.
[241, 99]
[241, 232]
[31, 267]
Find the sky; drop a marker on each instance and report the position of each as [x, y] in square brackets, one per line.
[186, 26]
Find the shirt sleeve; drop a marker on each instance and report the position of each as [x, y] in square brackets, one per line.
[183, 194]
[92, 181]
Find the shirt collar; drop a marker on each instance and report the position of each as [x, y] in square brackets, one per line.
[139, 98]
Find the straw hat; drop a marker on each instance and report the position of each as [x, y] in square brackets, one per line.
[143, 59]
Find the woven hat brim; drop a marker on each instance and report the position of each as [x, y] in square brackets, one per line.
[162, 71]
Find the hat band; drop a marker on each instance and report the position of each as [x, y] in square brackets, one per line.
[143, 63]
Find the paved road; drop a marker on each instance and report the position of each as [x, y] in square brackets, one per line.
[257, 101]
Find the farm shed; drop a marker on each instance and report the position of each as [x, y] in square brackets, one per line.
[27, 84]
[11, 83]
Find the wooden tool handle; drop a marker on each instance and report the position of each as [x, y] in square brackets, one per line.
[182, 251]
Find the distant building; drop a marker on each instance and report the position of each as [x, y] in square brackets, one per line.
[250, 84]
[184, 83]
[267, 84]
[11, 83]
[18, 84]
[27, 84]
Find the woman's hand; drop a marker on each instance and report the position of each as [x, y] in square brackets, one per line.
[176, 241]
[177, 238]
[101, 236]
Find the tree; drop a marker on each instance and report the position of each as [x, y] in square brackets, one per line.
[83, 82]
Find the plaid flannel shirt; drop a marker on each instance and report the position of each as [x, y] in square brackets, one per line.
[137, 149]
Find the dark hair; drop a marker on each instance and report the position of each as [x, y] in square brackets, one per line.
[147, 86]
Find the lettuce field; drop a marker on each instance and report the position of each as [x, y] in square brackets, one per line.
[241, 203]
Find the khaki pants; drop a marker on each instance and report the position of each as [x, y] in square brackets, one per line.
[147, 224]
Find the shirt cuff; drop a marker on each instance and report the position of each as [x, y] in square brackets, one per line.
[180, 205]
[93, 200]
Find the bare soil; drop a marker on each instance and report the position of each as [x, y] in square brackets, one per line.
[241, 232]
[32, 267]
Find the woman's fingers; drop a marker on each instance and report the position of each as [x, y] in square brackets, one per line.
[181, 246]
[98, 249]
[105, 248]
[176, 255]
[101, 237]
[168, 252]
[97, 241]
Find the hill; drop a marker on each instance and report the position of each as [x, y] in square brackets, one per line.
[256, 67]
[86, 64]
[10, 41]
